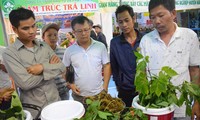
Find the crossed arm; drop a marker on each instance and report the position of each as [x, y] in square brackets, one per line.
[29, 77]
[38, 68]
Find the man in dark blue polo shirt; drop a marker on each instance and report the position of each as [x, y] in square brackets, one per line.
[122, 58]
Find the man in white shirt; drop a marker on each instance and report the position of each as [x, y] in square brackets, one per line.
[88, 57]
[170, 45]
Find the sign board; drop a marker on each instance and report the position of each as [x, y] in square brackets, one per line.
[53, 7]
[142, 5]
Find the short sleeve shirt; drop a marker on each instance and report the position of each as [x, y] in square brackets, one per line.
[88, 66]
[181, 52]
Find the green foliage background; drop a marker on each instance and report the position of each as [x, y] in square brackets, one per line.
[1, 35]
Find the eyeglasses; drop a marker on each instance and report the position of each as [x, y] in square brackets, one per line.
[87, 30]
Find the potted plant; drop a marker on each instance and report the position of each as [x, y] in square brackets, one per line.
[13, 111]
[157, 91]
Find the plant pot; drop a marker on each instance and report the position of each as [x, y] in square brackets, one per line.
[155, 113]
[28, 115]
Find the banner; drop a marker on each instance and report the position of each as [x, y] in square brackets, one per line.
[52, 7]
[63, 20]
[46, 7]
[111, 5]
[142, 5]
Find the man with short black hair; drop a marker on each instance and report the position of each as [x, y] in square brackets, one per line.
[32, 64]
[100, 36]
[173, 46]
[122, 58]
[88, 57]
[92, 33]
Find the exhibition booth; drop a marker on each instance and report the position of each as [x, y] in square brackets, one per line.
[100, 11]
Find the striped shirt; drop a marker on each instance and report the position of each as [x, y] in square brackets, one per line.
[60, 82]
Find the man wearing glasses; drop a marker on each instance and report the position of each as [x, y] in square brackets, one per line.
[88, 57]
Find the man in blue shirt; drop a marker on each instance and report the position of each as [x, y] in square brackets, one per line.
[122, 58]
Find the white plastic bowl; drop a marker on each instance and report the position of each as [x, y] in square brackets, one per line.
[152, 111]
[63, 110]
[28, 115]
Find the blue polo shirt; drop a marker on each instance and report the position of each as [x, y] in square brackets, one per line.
[123, 61]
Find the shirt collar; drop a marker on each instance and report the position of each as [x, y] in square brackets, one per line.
[139, 36]
[176, 34]
[19, 44]
[92, 42]
[56, 48]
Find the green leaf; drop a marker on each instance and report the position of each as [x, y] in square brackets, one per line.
[88, 101]
[148, 96]
[169, 71]
[158, 87]
[192, 88]
[141, 66]
[154, 106]
[188, 110]
[141, 83]
[162, 77]
[138, 55]
[172, 98]
[163, 104]
[146, 59]
[104, 115]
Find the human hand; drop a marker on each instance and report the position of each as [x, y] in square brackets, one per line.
[35, 69]
[75, 89]
[54, 59]
[6, 94]
[105, 88]
[196, 111]
[68, 85]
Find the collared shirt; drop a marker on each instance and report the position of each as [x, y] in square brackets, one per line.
[87, 65]
[123, 61]
[102, 38]
[40, 89]
[60, 82]
[5, 81]
[181, 52]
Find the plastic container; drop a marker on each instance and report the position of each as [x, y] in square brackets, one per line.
[155, 114]
[28, 115]
[63, 110]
